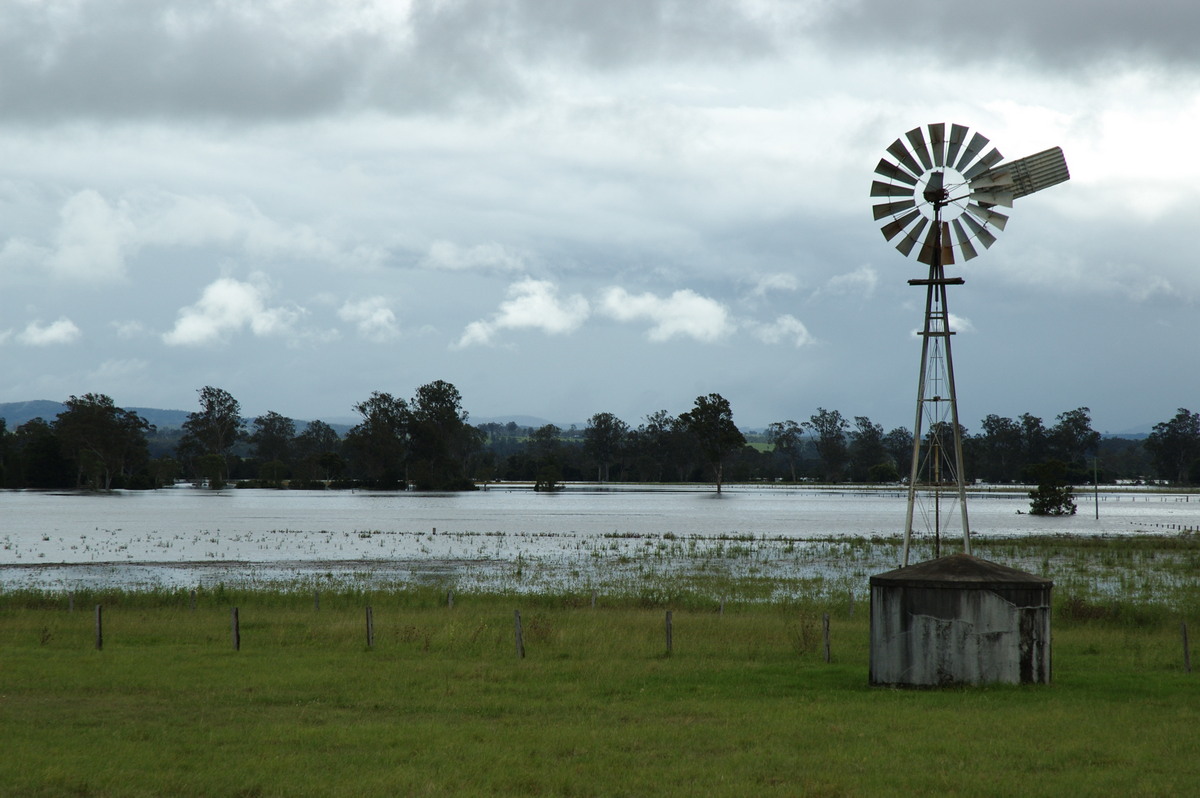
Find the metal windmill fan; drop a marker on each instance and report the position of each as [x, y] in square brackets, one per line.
[941, 191]
[938, 184]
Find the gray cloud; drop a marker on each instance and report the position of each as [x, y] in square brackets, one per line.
[1061, 34]
[130, 59]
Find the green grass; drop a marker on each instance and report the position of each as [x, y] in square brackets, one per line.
[441, 705]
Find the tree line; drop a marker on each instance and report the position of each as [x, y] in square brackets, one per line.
[427, 443]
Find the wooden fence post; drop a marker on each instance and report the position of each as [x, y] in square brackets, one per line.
[370, 628]
[1187, 653]
[825, 633]
[450, 599]
[669, 642]
[235, 629]
[593, 599]
[99, 629]
[519, 635]
[192, 601]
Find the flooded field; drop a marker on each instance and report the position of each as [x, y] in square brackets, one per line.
[584, 537]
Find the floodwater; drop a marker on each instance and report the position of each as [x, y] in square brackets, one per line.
[188, 536]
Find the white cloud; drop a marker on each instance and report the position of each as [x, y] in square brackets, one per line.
[683, 314]
[225, 307]
[960, 324]
[62, 331]
[92, 240]
[128, 330]
[118, 370]
[860, 282]
[374, 319]
[774, 283]
[486, 257]
[784, 328]
[531, 304]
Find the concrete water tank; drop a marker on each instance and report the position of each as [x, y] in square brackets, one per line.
[959, 620]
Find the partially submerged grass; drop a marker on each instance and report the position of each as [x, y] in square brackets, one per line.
[743, 704]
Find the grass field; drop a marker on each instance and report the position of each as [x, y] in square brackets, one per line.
[441, 705]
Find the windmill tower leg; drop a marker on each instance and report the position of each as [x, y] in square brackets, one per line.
[937, 402]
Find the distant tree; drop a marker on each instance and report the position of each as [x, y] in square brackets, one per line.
[316, 452]
[1034, 439]
[316, 439]
[788, 440]
[999, 449]
[899, 445]
[661, 443]
[1053, 494]
[101, 438]
[39, 457]
[1072, 438]
[710, 423]
[441, 440]
[828, 429]
[546, 448]
[604, 440]
[1175, 446]
[212, 431]
[866, 449]
[271, 436]
[380, 440]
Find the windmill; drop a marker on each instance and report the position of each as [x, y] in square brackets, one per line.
[940, 190]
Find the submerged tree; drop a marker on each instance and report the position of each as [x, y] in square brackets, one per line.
[212, 431]
[829, 436]
[440, 439]
[1053, 495]
[380, 440]
[788, 439]
[710, 423]
[1175, 445]
[102, 439]
[604, 440]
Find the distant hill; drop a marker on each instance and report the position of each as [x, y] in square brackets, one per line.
[17, 413]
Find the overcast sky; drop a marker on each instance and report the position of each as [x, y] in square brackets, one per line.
[567, 207]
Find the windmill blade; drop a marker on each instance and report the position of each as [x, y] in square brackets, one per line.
[881, 189]
[947, 245]
[986, 215]
[964, 241]
[979, 232]
[894, 228]
[937, 142]
[916, 137]
[992, 197]
[890, 170]
[958, 133]
[901, 154]
[978, 142]
[927, 246]
[1038, 171]
[913, 236]
[984, 163]
[892, 208]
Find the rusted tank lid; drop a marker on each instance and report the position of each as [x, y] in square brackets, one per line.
[961, 571]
